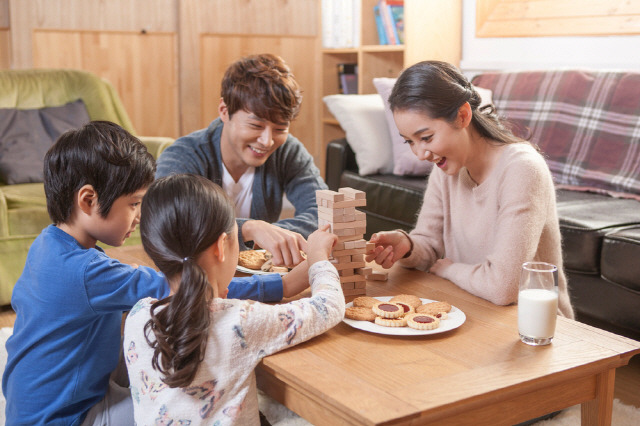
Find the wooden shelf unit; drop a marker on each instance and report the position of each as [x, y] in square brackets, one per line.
[433, 30]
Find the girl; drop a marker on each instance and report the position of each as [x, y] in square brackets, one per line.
[490, 202]
[191, 356]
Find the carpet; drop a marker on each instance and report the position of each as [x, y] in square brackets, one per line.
[279, 415]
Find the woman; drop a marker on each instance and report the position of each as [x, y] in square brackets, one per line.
[490, 202]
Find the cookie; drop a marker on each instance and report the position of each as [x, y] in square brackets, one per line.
[433, 308]
[251, 259]
[408, 309]
[409, 299]
[388, 310]
[391, 322]
[365, 301]
[422, 321]
[359, 313]
[441, 315]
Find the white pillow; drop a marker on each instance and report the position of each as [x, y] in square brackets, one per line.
[363, 120]
[404, 161]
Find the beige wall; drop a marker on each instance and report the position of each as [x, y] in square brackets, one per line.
[166, 57]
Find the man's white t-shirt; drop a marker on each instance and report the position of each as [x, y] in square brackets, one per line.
[239, 192]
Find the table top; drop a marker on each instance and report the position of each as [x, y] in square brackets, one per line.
[368, 378]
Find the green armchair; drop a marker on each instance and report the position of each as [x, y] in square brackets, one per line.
[23, 210]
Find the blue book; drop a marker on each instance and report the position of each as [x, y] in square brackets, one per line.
[397, 13]
[382, 36]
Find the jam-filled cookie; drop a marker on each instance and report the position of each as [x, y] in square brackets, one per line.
[391, 322]
[422, 321]
[409, 299]
[388, 310]
[365, 301]
[433, 308]
[359, 313]
[408, 309]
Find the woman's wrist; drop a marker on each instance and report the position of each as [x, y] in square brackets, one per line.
[402, 231]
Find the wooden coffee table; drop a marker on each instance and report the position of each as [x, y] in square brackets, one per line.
[479, 373]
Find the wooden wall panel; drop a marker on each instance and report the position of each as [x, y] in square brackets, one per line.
[142, 67]
[219, 51]
[537, 18]
[5, 46]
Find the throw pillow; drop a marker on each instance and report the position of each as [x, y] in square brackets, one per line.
[404, 161]
[27, 134]
[362, 119]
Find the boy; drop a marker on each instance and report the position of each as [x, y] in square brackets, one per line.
[70, 298]
[249, 152]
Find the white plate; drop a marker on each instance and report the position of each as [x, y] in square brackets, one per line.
[256, 271]
[454, 319]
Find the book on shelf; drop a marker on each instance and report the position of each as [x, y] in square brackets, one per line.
[340, 23]
[348, 78]
[389, 16]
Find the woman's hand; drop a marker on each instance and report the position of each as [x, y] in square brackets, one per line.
[389, 247]
[440, 265]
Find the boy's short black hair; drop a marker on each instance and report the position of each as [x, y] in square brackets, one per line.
[101, 154]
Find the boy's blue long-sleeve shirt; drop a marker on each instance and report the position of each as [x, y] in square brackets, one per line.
[69, 303]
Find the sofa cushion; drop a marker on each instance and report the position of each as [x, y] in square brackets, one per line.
[585, 122]
[585, 218]
[26, 135]
[25, 195]
[620, 257]
[362, 119]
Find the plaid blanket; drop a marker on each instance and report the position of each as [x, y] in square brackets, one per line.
[586, 123]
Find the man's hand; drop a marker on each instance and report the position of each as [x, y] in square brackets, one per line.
[389, 247]
[284, 245]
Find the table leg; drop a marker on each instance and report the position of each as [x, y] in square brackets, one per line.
[598, 411]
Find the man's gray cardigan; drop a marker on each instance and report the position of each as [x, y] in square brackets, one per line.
[289, 170]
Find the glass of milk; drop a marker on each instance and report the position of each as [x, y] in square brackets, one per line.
[537, 303]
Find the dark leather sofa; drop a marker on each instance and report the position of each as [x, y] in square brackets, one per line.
[601, 237]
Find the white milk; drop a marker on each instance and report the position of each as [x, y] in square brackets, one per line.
[537, 311]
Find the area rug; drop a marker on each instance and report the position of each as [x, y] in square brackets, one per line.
[279, 415]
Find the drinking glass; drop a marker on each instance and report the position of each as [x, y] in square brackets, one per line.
[537, 303]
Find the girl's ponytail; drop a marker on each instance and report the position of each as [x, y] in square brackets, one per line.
[182, 215]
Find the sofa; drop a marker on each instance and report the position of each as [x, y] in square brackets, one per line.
[586, 124]
[36, 106]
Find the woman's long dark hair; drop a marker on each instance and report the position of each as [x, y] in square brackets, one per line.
[182, 215]
[438, 89]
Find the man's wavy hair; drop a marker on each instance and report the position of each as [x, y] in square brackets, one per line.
[263, 85]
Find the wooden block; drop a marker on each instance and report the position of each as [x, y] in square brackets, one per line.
[361, 230]
[347, 203]
[343, 232]
[355, 292]
[338, 246]
[343, 259]
[360, 215]
[378, 275]
[327, 194]
[369, 247]
[346, 273]
[359, 243]
[353, 278]
[350, 237]
[349, 265]
[357, 257]
[349, 210]
[360, 284]
[352, 193]
[347, 286]
[366, 271]
[352, 224]
[338, 253]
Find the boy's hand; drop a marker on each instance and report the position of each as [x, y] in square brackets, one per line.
[319, 245]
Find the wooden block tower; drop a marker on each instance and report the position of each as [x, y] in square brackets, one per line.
[338, 209]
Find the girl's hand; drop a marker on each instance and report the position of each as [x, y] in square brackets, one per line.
[389, 247]
[319, 245]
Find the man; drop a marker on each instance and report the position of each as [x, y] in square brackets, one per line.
[249, 152]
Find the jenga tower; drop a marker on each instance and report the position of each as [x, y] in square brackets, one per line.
[338, 209]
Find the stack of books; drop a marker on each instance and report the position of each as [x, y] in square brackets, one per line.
[389, 15]
[340, 23]
[348, 78]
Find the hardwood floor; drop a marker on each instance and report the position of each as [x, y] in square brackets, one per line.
[627, 388]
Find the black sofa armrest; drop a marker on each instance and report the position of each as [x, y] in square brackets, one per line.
[340, 157]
